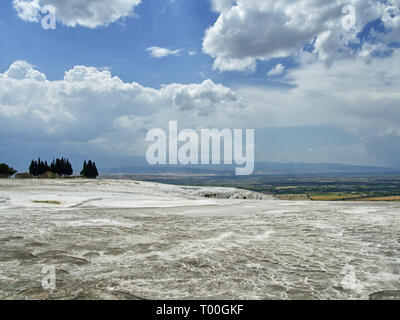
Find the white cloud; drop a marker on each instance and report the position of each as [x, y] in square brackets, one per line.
[277, 70]
[158, 52]
[222, 5]
[88, 13]
[89, 106]
[203, 98]
[28, 10]
[20, 70]
[355, 95]
[251, 30]
[352, 94]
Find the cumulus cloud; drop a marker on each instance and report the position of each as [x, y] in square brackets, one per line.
[92, 107]
[351, 94]
[251, 30]
[20, 70]
[88, 13]
[203, 98]
[158, 52]
[28, 10]
[354, 95]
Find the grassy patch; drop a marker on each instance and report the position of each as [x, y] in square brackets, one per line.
[389, 198]
[334, 196]
[47, 202]
[293, 197]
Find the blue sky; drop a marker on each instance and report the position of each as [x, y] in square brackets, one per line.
[120, 46]
[311, 89]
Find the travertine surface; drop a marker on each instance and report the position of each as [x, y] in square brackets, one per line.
[110, 239]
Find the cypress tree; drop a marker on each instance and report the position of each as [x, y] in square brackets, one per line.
[62, 166]
[32, 168]
[68, 168]
[35, 169]
[53, 166]
[58, 166]
[83, 172]
[89, 169]
[95, 172]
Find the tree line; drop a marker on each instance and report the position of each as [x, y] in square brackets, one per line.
[62, 167]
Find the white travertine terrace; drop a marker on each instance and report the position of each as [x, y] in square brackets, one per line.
[121, 239]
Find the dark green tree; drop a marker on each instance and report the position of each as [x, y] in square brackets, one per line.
[89, 170]
[53, 166]
[6, 170]
[46, 167]
[58, 166]
[83, 171]
[39, 170]
[95, 171]
[68, 168]
[33, 169]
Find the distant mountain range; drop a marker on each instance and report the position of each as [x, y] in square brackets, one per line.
[260, 168]
[112, 165]
[272, 167]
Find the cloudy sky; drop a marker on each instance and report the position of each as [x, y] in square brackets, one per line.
[315, 86]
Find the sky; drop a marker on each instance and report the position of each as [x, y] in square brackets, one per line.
[314, 83]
